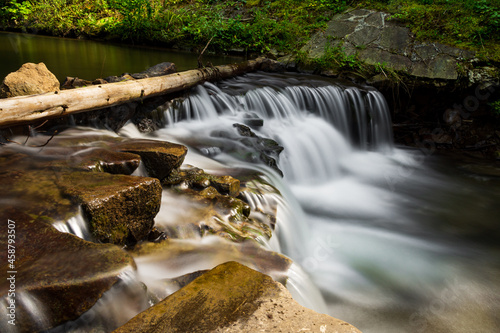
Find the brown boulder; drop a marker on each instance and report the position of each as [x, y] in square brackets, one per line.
[120, 209]
[30, 79]
[233, 298]
[56, 276]
[159, 157]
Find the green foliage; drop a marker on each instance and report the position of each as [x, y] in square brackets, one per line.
[252, 25]
[495, 107]
[17, 11]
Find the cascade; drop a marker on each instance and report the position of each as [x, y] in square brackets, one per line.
[364, 219]
[372, 229]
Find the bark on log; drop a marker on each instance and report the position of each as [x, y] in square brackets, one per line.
[26, 109]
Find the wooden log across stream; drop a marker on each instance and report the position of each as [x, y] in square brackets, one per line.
[27, 109]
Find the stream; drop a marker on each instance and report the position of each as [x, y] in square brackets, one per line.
[397, 240]
[394, 239]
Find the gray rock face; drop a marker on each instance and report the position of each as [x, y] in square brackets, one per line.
[30, 79]
[377, 39]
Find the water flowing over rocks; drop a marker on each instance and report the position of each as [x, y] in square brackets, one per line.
[215, 207]
[232, 298]
[58, 276]
[30, 79]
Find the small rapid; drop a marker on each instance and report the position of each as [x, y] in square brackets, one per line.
[373, 225]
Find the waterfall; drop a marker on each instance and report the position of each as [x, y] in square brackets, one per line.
[367, 221]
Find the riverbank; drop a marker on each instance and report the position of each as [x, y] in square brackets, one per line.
[422, 71]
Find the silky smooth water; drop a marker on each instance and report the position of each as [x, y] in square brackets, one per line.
[88, 59]
[398, 240]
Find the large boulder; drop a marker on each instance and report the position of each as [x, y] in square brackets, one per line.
[30, 79]
[377, 40]
[55, 276]
[233, 298]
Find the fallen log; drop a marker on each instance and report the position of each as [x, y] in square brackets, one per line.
[27, 109]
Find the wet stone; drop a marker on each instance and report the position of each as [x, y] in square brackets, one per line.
[59, 274]
[159, 157]
[120, 209]
[208, 305]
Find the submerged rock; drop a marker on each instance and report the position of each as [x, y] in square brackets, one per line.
[253, 302]
[30, 79]
[213, 207]
[57, 276]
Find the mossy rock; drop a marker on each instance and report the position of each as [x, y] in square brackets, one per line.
[120, 209]
[62, 272]
[232, 298]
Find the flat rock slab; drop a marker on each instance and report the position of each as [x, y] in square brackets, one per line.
[232, 298]
[58, 276]
[159, 157]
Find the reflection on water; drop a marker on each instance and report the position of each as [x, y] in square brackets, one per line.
[90, 60]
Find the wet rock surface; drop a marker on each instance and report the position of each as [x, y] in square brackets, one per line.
[159, 157]
[214, 208]
[252, 147]
[232, 298]
[72, 170]
[58, 276]
[120, 209]
[30, 79]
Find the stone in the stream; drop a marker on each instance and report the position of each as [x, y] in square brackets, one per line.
[233, 298]
[75, 82]
[213, 207]
[160, 69]
[93, 159]
[30, 79]
[58, 276]
[120, 209]
[159, 157]
[196, 178]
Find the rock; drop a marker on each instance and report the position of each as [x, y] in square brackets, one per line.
[120, 209]
[159, 157]
[375, 40]
[58, 276]
[30, 79]
[163, 68]
[74, 82]
[252, 303]
[197, 179]
[442, 67]
[213, 208]
[93, 159]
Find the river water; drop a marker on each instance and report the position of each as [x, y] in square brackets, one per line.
[396, 239]
[90, 60]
